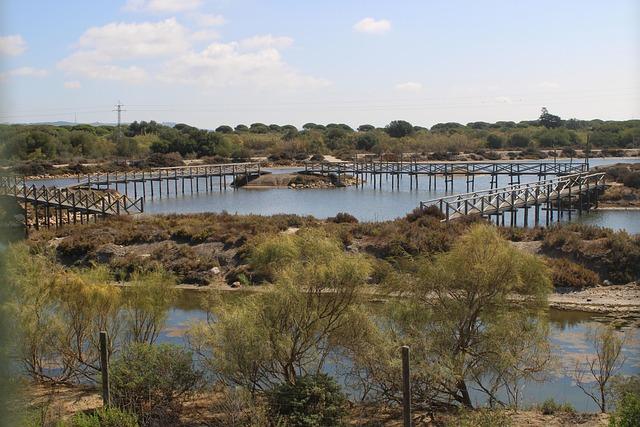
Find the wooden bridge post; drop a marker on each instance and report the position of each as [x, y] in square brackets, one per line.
[175, 182]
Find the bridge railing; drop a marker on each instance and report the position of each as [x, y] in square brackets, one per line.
[512, 196]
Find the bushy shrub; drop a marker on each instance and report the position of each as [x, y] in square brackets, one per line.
[567, 274]
[150, 381]
[550, 407]
[494, 141]
[431, 211]
[107, 417]
[627, 412]
[518, 140]
[343, 217]
[481, 418]
[632, 179]
[314, 400]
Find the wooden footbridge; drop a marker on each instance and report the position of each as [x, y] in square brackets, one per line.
[56, 206]
[565, 193]
[373, 170]
[150, 183]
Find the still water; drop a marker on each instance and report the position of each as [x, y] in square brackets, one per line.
[568, 329]
[366, 204]
[567, 336]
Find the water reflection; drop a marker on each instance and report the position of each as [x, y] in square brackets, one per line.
[568, 337]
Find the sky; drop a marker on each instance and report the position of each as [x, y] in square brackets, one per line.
[214, 62]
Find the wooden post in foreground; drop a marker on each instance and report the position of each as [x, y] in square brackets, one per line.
[104, 366]
[406, 387]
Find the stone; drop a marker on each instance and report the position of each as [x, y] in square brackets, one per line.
[236, 284]
[215, 270]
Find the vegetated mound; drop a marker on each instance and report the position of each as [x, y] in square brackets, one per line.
[205, 248]
[298, 180]
[624, 188]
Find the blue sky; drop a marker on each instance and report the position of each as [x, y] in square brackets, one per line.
[212, 62]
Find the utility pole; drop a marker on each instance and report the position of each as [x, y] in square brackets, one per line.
[119, 110]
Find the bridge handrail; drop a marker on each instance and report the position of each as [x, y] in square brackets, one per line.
[510, 188]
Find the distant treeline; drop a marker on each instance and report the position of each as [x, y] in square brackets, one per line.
[141, 139]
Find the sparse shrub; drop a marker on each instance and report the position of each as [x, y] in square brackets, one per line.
[568, 274]
[314, 400]
[103, 417]
[150, 381]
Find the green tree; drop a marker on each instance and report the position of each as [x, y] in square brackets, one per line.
[494, 141]
[399, 128]
[518, 140]
[366, 128]
[288, 332]
[460, 325]
[224, 129]
[548, 120]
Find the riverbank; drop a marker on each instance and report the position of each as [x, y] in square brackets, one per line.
[209, 408]
[212, 251]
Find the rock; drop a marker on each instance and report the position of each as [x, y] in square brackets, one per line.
[235, 285]
[606, 283]
[215, 270]
[107, 252]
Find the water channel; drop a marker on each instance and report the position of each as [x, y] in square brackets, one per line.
[568, 329]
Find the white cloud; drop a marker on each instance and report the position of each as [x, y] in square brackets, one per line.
[265, 42]
[12, 45]
[72, 85]
[165, 50]
[548, 85]
[122, 40]
[409, 86]
[162, 6]
[208, 20]
[227, 64]
[503, 100]
[372, 26]
[93, 65]
[24, 72]
[205, 35]
[104, 52]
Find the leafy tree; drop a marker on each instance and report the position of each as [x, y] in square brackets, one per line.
[148, 301]
[446, 127]
[494, 141]
[258, 128]
[459, 324]
[224, 129]
[366, 128]
[366, 141]
[548, 120]
[399, 128]
[518, 140]
[241, 128]
[286, 333]
[478, 125]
